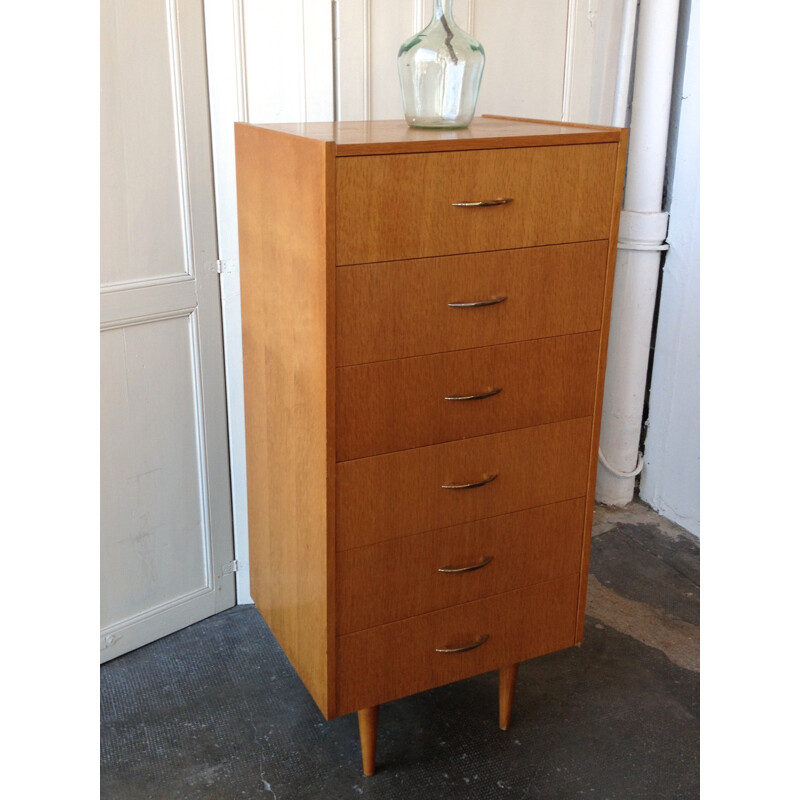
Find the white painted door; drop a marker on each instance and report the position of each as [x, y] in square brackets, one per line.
[166, 528]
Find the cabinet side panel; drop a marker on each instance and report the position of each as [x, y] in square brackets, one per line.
[284, 209]
[613, 235]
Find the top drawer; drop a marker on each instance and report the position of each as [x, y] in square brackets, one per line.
[401, 206]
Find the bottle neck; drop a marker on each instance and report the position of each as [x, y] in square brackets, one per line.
[443, 8]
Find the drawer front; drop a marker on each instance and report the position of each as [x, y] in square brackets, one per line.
[404, 577]
[401, 309]
[402, 493]
[381, 664]
[393, 207]
[397, 405]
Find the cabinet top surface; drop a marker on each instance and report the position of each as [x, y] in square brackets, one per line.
[395, 136]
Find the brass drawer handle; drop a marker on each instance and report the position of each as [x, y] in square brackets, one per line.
[464, 647]
[490, 393]
[471, 568]
[500, 201]
[479, 303]
[469, 485]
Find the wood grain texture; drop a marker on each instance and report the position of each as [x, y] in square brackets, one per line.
[287, 330]
[400, 309]
[377, 137]
[397, 405]
[400, 206]
[399, 578]
[401, 493]
[381, 664]
[616, 207]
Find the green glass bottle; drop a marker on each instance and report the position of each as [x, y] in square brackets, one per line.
[440, 73]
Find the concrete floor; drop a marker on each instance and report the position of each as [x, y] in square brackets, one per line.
[216, 711]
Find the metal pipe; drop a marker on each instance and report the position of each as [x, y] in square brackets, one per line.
[643, 229]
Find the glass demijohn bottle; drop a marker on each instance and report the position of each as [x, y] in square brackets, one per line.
[440, 73]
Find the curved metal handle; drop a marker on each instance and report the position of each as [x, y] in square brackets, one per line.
[464, 647]
[490, 393]
[479, 303]
[500, 201]
[469, 485]
[471, 568]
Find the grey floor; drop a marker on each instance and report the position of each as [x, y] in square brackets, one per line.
[216, 711]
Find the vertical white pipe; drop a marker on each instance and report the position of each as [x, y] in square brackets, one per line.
[643, 228]
[652, 100]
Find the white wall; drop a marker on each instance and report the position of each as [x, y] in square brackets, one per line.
[671, 476]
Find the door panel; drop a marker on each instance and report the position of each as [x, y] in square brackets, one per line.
[157, 515]
[166, 531]
[144, 207]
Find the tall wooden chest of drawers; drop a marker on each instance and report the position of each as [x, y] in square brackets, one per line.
[425, 317]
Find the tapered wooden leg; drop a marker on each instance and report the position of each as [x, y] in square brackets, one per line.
[508, 683]
[368, 731]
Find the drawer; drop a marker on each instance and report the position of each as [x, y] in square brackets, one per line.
[381, 664]
[401, 578]
[401, 309]
[386, 496]
[397, 405]
[392, 207]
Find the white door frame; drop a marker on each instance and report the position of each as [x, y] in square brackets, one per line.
[227, 91]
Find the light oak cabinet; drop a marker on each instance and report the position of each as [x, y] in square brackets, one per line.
[425, 318]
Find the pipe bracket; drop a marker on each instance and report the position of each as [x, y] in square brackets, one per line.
[643, 230]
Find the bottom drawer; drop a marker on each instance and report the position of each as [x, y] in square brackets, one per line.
[381, 664]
